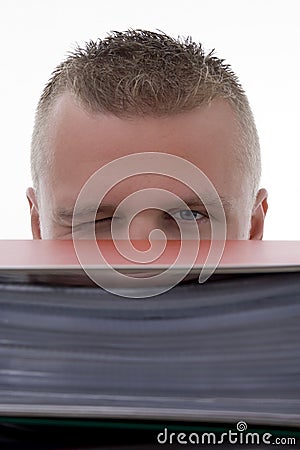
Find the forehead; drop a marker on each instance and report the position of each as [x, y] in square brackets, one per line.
[79, 143]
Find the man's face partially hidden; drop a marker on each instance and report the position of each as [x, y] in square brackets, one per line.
[78, 144]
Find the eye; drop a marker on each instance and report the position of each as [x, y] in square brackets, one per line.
[188, 214]
[104, 220]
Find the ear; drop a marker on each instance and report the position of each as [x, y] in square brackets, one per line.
[34, 213]
[258, 215]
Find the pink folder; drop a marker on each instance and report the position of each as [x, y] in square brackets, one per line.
[237, 257]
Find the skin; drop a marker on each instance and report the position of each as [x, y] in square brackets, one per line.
[79, 143]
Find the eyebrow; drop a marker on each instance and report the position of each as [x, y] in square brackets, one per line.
[66, 214]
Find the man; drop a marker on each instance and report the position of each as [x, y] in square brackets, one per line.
[138, 92]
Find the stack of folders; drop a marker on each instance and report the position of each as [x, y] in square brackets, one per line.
[218, 352]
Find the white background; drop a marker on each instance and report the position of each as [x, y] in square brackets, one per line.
[259, 38]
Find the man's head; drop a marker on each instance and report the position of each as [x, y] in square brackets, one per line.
[136, 92]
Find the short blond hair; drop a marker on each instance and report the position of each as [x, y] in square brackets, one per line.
[145, 73]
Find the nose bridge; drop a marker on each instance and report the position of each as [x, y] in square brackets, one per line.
[143, 223]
